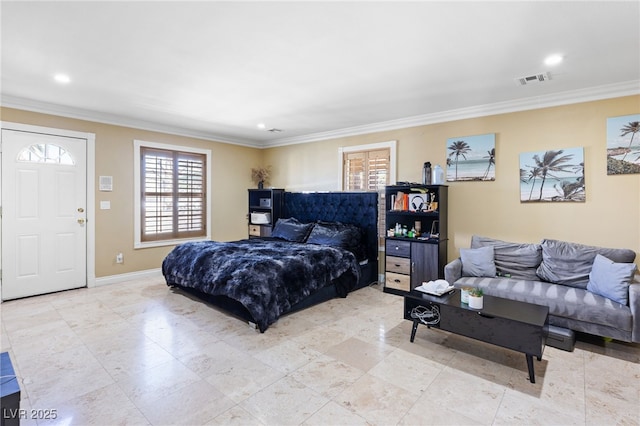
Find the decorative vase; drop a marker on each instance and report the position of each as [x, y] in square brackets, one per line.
[261, 184]
[475, 302]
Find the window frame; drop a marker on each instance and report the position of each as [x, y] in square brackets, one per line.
[392, 146]
[137, 198]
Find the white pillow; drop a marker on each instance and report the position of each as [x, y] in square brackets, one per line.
[610, 279]
[478, 262]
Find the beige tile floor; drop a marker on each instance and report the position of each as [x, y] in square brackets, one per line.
[140, 353]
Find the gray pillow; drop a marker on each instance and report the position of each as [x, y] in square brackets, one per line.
[570, 263]
[516, 260]
[611, 279]
[478, 262]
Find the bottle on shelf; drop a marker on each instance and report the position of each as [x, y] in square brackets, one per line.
[437, 177]
[426, 173]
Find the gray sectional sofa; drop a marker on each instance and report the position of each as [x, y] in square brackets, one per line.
[588, 289]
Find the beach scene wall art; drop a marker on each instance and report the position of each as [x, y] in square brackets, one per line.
[623, 145]
[471, 158]
[552, 176]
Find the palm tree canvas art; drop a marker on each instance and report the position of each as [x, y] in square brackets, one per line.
[471, 158]
[623, 145]
[554, 175]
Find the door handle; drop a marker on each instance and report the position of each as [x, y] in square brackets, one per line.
[81, 221]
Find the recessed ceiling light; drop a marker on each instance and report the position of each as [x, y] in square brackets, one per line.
[553, 60]
[62, 78]
[262, 126]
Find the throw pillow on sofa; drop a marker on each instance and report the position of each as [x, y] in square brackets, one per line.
[610, 279]
[478, 262]
[519, 261]
[570, 263]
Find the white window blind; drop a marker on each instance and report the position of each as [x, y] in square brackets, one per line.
[368, 170]
[173, 194]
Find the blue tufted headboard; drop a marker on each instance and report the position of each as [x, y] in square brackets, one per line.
[358, 208]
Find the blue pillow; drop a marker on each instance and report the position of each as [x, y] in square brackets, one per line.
[341, 235]
[610, 279]
[291, 230]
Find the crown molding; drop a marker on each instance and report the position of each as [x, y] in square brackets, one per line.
[562, 98]
[118, 120]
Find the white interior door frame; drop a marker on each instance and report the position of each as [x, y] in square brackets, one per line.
[91, 197]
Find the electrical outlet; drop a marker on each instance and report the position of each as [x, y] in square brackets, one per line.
[120, 258]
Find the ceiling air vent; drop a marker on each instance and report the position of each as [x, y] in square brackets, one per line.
[274, 130]
[532, 79]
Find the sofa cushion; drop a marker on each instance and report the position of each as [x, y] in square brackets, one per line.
[611, 279]
[570, 263]
[563, 301]
[512, 259]
[478, 262]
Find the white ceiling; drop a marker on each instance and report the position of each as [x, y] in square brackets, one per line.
[313, 69]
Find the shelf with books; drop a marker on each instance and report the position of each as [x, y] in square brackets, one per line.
[416, 220]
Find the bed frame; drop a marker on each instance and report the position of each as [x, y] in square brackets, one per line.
[357, 208]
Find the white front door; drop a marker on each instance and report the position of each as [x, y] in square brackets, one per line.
[44, 197]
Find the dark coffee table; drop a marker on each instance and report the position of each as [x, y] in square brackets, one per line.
[519, 326]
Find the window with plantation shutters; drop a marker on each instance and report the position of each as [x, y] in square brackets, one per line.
[369, 168]
[172, 190]
[173, 194]
[366, 170]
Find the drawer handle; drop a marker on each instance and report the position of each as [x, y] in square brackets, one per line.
[485, 315]
[397, 248]
[396, 280]
[397, 265]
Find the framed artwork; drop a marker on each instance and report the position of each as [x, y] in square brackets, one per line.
[623, 145]
[471, 158]
[555, 175]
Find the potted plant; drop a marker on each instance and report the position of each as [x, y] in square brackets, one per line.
[475, 298]
[260, 175]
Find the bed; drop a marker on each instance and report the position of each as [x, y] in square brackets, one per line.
[324, 246]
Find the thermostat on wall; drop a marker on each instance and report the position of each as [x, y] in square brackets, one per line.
[106, 183]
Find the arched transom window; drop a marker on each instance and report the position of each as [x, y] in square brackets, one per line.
[46, 153]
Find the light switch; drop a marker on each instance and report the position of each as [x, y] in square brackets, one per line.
[105, 205]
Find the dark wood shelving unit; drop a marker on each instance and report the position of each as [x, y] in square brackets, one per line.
[264, 201]
[412, 260]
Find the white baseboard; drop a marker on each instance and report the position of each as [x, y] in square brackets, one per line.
[114, 279]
